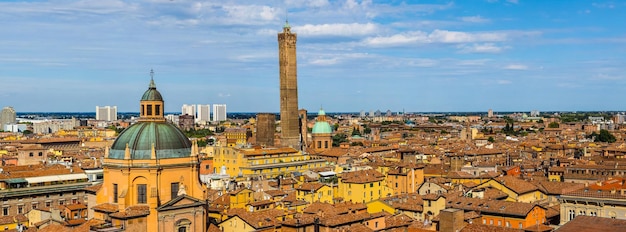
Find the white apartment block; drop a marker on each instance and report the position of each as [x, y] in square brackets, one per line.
[189, 110]
[204, 113]
[106, 113]
[219, 112]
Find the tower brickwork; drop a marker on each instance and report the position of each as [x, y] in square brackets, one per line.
[289, 118]
[266, 125]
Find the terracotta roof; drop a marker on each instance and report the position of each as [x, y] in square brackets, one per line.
[132, 211]
[518, 185]
[24, 171]
[76, 206]
[308, 186]
[94, 188]
[261, 219]
[362, 176]
[488, 228]
[213, 228]
[11, 219]
[517, 209]
[106, 207]
[593, 224]
[595, 194]
[558, 188]
[400, 220]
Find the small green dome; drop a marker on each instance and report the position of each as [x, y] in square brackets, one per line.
[168, 140]
[322, 128]
[152, 94]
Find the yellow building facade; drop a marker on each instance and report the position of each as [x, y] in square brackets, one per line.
[363, 186]
[267, 162]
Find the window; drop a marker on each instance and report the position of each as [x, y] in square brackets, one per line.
[490, 221]
[20, 209]
[157, 109]
[508, 224]
[520, 225]
[149, 110]
[484, 221]
[30, 154]
[141, 194]
[174, 188]
[142, 108]
[40, 153]
[34, 206]
[499, 223]
[115, 194]
[319, 144]
[325, 144]
[375, 224]
[48, 204]
[61, 201]
[5, 211]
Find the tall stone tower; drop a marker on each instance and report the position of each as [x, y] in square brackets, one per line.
[266, 125]
[289, 118]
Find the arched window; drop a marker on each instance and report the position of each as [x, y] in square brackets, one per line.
[183, 225]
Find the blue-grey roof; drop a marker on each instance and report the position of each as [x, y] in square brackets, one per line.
[169, 141]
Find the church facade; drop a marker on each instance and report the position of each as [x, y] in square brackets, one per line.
[151, 180]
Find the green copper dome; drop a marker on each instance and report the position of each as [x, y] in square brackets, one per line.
[322, 127]
[168, 140]
[152, 94]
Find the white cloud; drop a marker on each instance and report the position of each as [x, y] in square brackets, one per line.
[437, 36]
[444, 36]
[249, 14]
[481, 48]
[602, 76]
[223, 94]
[307, 3]
[398, 39]
[478, 62]
[513, 1]
[516, 67]
[474, 19]
[332, 59]
[503, 82]
[338, 29]
[324, 62]
[423, 63]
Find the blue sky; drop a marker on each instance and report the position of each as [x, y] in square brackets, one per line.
[353, 55]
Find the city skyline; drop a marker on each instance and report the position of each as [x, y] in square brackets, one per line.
[436, 56]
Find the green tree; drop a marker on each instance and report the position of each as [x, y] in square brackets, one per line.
[354, 144]
[27, 132]
[367, 130]
[339, 138]
[604, 136]
[335, 126]
[356, 131]
[553, 125]
[491, 139]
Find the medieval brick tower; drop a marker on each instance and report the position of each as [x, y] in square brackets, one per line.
[289, 118]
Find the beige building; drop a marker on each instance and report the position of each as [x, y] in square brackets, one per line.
[596, 203]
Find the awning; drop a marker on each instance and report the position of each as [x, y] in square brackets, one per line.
[44, 179]
[15, 181]
[328, 173]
